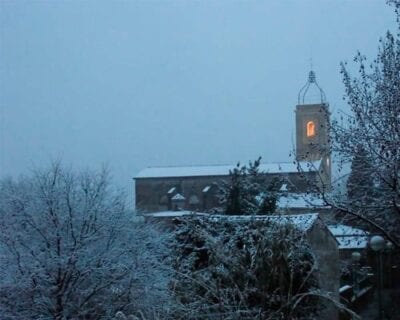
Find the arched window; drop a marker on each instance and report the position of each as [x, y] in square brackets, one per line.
[310, 129]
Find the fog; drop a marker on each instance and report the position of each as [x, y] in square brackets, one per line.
[135, 84]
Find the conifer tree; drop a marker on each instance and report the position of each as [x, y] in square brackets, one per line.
[268, 199]
[245, 191]
[360, 185]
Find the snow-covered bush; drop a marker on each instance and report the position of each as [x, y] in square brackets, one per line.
[70, 250]
[242, 270]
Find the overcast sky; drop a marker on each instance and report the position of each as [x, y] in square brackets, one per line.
[148, 83]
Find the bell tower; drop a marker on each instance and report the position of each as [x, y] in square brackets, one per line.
[312, 125]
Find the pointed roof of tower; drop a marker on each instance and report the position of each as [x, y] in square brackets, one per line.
[311, 82]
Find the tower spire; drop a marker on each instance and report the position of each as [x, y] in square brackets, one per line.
[312, 80]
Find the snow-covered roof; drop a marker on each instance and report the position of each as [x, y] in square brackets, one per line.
[300, 200]
[172, 190]
[172, 214]
[302, 221]
[178, 196]
[352, 242]
[349, 237]
[344, 230]
[220, 170]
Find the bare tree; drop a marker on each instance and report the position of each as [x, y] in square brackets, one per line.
[368, 138]
[70, 250]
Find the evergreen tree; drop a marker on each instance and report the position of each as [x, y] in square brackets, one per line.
[233, 191]
[245, 193]
[268, 199]
[360, 185]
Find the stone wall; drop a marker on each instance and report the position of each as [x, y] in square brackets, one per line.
[200, 193]
[315, 147]
[325, 247]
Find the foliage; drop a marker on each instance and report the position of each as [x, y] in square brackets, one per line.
[245, 191]
[360, 184]
[70, 250]
[268, 198]
[228, 269]
[374, 126]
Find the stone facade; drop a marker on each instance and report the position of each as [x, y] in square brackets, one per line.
[156, 194]
[312, 131]
[325, 248]
[312, 136]
[200, 193]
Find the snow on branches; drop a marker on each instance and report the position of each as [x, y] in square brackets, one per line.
[70, 250]
[242, 269]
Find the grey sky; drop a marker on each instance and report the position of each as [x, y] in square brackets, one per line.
[136, 84]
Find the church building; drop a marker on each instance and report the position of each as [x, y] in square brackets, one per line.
[196, 188]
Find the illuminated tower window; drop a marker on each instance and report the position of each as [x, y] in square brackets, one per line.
[310, 129]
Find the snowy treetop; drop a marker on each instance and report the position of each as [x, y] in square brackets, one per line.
[220, 170]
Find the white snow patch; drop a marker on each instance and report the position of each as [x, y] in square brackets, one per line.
[172, 190]
[349, 237]
[344, 288]
[178, 196]
[352, 242]
[300, 200]
[172, 214]
[344, 230]
[301, 221]
[284, 187]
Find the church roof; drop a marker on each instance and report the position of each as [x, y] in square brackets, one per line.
[220, 170]
[303, 222]
[349, 237]
[178, 196]
[300, 200]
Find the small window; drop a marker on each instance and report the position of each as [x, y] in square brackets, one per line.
[310, 129]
